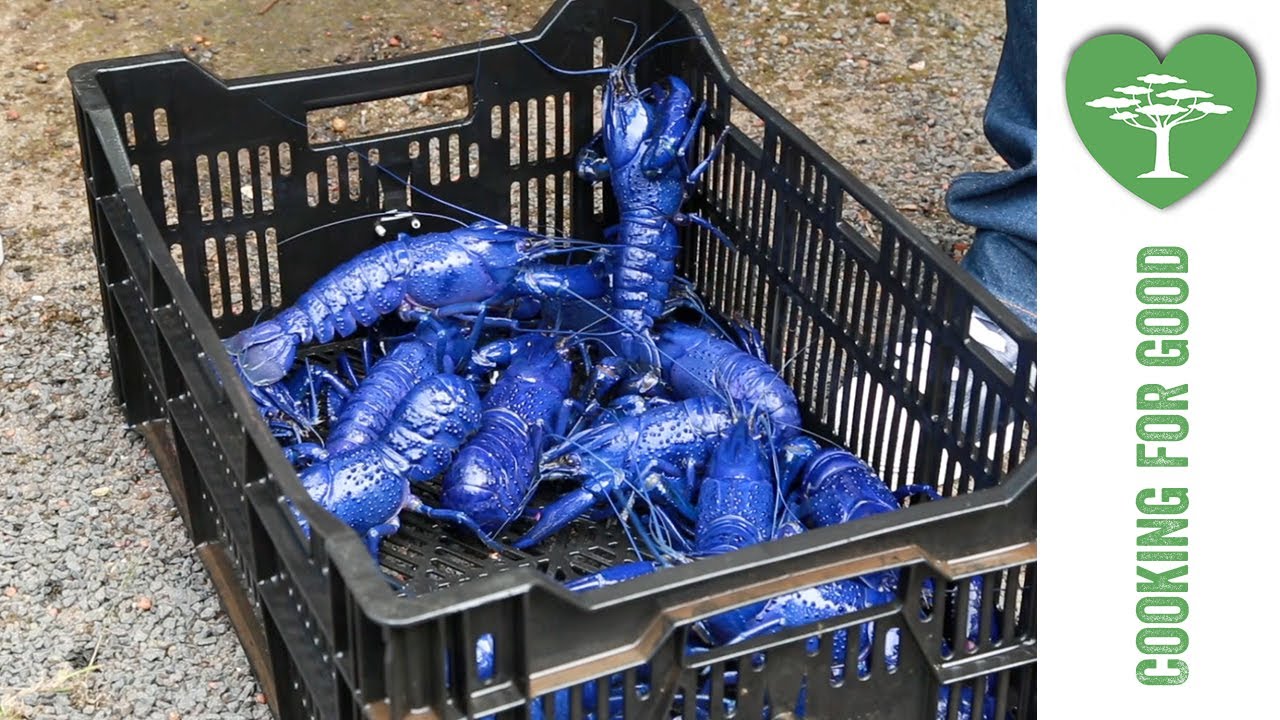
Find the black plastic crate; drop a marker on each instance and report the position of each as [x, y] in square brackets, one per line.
[194, 215]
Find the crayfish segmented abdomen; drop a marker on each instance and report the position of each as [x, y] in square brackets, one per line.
[699, 364]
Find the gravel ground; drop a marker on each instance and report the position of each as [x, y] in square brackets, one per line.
[104, 609]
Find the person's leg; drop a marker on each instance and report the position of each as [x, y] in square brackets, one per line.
[1002, 205]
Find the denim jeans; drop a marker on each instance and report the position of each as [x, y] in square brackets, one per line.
[1002, 205]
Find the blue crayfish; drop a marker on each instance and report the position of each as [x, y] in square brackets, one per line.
[494, 474]
[642, 149]
[657, 451]
[362, 414]
[368, 486]
[465, 270]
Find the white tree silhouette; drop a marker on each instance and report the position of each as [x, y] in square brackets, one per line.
[1163, 117]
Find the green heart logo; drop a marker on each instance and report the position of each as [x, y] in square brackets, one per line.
[1161, 128]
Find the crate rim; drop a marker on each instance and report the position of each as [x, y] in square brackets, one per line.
[345, 551]
[785, 555]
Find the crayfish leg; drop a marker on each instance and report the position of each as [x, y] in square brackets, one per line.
[592, 164]
[749, 339]
[376, 534]
[675, 485]
[557, 515]
[696, 173]
[456, 517]
[284, 430]
[308, 452]
[686, 142]
[699, 221]
[568, 411]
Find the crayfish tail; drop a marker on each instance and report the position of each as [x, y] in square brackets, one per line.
[456, 517]
[612, 575]
[265, 352]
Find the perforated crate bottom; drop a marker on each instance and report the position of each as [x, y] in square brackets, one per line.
[431, 555]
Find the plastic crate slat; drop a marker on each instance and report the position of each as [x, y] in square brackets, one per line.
[135, 256]
[889, 388]
[312, 587]
[980, 665]
[313, 673]
[223, 422]
[128, 299]
[212, 465]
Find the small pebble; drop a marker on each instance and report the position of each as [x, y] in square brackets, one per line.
[11, 115]
[10, 591]
[143, 603]
[100, 492]
[339, 125]
[884, 18]
[260, 698]
[394, 41]
[197, 39]
[917, 65]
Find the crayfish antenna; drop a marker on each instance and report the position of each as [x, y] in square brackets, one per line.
[656, 46]
[685, 296]
[640, 50]
[784, 474]
[664, 530]
[394, 176]
[553, 68]
[383, 169]
[382, 216]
